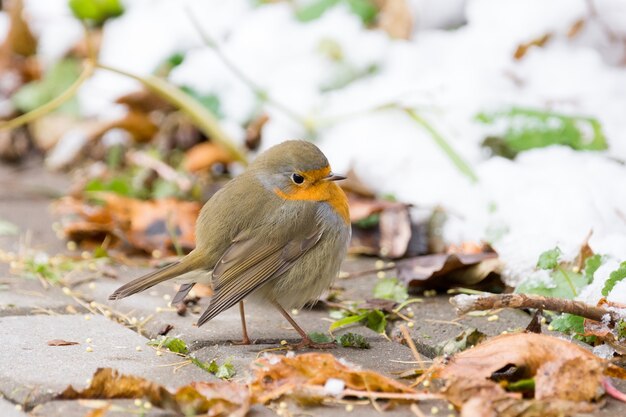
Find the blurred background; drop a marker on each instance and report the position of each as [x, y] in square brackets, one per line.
[465, 126]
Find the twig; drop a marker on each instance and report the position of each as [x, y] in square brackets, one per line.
[389, 267]
[199, 115]
[456, 159]
[164, 170]
[467, 303]
[416, 410]
[411, 344]
[52, 104]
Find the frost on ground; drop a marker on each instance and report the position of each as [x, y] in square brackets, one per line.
[544, 198]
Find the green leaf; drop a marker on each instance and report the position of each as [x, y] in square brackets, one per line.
[621, 329]
[369, 222]
[562, 284]
[523, 385]
[390, 289]
[173, 344]
[353, 340]
[315, 9]
[591, 266]
[347, 320]
[210, 102]
[96, 10]
[318, 337]
[525, 129]
[571, 325]
[56, 80]
[549, 259]
[365, 9]
[377, 321]
[615, 277]
[120, 185]
[225, 371]
[466, 339]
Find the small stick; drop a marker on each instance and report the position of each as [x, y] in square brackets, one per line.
[411, 344]
[467, 303]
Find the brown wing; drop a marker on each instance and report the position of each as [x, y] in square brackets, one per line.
[249, 263]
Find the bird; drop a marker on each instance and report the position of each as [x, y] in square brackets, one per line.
[276, 234]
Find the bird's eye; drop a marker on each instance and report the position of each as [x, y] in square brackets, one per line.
[297, 178]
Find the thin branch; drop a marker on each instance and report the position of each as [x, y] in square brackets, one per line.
[467, 303]
[411, 344]
[53, 104]
[456, 159]
[199, 115]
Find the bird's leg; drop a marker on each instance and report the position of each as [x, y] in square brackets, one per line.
[245, 340]
[306, 340]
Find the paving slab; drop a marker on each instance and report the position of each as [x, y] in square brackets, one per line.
[118, 408]
[265, 324]
[31, 372]
[385, 357]
[23, 296]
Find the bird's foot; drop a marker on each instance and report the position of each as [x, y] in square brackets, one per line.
[306, 342]
[245, 341]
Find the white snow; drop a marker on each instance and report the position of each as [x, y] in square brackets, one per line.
[544, 198]
[334, 386]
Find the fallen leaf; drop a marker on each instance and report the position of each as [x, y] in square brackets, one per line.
[146, 225]
[566, 376]
[396, 18]
[448, 270]
[254, 130]
[215, 399]
[303, 377]
[61, 342]
[204, 155]
[523, 48]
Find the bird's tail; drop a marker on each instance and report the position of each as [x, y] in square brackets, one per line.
[193, 261]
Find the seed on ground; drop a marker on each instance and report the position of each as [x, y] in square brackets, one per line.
[434, 410]
[493, 317]
[349, 407]
[89, 349]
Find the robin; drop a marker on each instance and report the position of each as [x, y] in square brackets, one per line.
[276, 234]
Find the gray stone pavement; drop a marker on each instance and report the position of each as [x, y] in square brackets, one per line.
[31, 314]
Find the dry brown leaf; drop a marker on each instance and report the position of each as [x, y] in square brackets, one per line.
[107, 383]
[564, 373]
[253, 131]
[215, 399]
[523, 48]
[303, 377]
[393, 236]
[61, 342]
[395, 18]
[146, 225]
[204, 155]
[448, 270]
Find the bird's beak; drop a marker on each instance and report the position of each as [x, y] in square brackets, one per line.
[335, 177]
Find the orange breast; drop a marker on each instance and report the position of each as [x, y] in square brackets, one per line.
[324, 191]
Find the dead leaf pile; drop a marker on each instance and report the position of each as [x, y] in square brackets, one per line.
[303, 378]
[524, 374]
[150, 225]
[207, 398]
